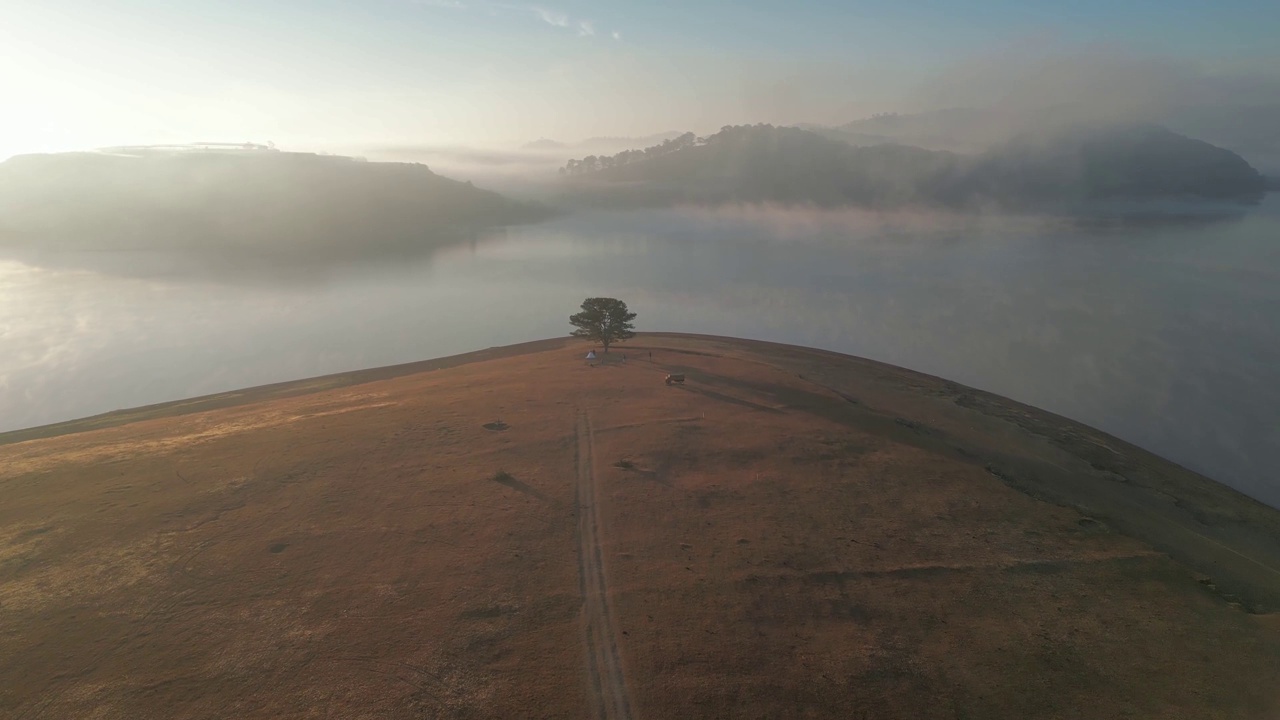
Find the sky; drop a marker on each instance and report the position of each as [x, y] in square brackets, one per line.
[317, 74]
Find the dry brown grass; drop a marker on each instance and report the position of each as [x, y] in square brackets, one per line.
[833, 545]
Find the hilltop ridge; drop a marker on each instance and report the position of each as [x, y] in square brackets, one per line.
[792, 531]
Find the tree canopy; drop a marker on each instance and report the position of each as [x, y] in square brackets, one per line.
[592, 163]
[603, 320]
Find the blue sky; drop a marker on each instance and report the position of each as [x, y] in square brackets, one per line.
[344, 72]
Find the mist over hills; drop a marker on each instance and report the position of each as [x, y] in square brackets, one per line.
[256, 200]
[1061, 168]
[599, 143]
[1249, 130]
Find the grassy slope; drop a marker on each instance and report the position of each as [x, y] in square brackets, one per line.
[793, 533]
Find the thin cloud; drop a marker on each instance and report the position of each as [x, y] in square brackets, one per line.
[551, 17]
[554, 18]
[617, 35]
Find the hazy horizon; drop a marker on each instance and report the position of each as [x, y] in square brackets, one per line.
[342, 76]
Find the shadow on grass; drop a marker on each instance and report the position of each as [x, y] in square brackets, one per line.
[631, 468]
[729, 399]
[502, 477]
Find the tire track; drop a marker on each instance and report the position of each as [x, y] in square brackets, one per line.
[604, 663]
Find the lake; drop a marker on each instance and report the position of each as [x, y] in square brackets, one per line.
[1162, 332]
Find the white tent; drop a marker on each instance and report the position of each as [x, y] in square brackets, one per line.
[591, 355]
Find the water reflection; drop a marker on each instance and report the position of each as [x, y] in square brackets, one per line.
[238, 264]
[1160, 332]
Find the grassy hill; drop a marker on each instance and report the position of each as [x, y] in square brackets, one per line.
[515, 533]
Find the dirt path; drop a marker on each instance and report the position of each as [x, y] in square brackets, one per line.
[604, 663]
[805, 534]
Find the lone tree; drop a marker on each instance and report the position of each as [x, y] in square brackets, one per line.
[604, 320]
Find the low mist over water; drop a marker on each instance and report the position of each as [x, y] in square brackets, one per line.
[1160, 332]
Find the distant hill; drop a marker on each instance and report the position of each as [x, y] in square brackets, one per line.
[543, 144]
[966, 130]
[623, 142]
[1250, 130]
[762, 163]
[255, 199]
[1130, 162]
[598, 144]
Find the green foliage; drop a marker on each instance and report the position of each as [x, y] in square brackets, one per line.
[603, 320]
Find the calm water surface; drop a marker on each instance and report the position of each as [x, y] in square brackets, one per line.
[1164, 333]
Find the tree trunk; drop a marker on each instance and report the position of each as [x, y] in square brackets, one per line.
[605, 340]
